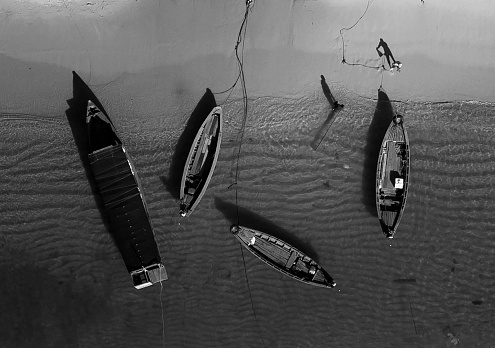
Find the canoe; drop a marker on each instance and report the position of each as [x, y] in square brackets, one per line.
[201, 162]
[392, 176]
[283, 257]
[123, 200]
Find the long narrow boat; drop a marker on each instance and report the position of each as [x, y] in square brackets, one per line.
[123, 200]
[201, 162]
[392, 176]
[283, 257]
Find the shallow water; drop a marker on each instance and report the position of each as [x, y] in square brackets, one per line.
[66, 284]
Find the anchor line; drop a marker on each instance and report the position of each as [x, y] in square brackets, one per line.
[240, 38]
[343, 43]
[239, 46]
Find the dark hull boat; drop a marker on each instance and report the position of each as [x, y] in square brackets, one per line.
[283, 257]
[123, 201]
[201, 162]
[392, 176]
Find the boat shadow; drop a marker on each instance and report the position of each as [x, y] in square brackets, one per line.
[252, 220]
[382, 117]
[184, 143]
[76, 116]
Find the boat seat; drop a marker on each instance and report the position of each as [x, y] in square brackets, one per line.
[291, 260]
[191, 190]
[393, 207]
[388, 191]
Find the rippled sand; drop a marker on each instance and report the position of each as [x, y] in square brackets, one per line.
[65, 284]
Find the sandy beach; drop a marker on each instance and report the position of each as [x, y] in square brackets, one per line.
[305, 175]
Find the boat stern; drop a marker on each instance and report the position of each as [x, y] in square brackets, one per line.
[148, 276]
[183, 210]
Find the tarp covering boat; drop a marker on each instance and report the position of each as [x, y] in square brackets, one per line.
[124, 207]
[123, 201]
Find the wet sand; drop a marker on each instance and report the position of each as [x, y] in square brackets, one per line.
[149, 64]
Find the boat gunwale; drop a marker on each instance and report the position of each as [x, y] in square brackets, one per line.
[386, 138]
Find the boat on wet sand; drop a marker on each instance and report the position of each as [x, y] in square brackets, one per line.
[392, 176]
[201, 162]
[283, 257]
[123, 200]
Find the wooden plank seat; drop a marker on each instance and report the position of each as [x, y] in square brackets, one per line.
[292, 258]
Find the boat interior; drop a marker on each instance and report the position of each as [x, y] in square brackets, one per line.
[201, 159]
[393, 176]
[287, 258]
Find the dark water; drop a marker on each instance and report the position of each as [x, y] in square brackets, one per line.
[65, 284]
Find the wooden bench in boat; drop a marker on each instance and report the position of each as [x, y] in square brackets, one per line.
[387, 191]
[270, 248]
[292, 258]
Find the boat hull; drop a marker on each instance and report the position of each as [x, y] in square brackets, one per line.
[283, 257]
[201, 162]
[392, 176]
[123, 201]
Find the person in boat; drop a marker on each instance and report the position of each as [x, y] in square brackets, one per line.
[398, 119]
[386, 51]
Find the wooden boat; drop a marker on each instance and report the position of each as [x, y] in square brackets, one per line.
[123, 200]
[392, 176]
[283, 257]
[201, 162]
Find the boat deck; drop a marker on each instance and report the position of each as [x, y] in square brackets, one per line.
[125, 207]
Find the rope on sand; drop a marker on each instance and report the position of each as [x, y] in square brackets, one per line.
[344, 61]
[239, 54]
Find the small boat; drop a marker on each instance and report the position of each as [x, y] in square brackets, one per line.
[123, 200]
[201, 162]
[392, 176]
[283, 257]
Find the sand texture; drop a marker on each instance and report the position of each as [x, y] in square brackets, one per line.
[306, 174]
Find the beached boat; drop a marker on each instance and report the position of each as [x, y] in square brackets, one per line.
[201, 162]
[392, 176]
[283, 257]
[123, 200]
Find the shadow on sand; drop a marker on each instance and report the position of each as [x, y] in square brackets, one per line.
[257, 222]
[382, 117]
[76, 116]
[335, 108]
[179, 157]
[323, 130]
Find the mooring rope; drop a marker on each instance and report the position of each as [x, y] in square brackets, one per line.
[239, 46]
[344, 61]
